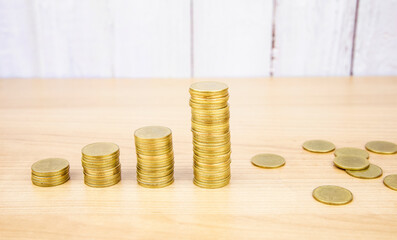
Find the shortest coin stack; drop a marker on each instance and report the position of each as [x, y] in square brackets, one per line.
[101, 164]
[155, 156]
[50, 172]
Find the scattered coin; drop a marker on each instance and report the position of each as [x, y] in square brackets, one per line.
[373, 171]
[381, 147]
[350, 151]
[211, 135]
[332, 195]
[391, 181]
[50, 172]
[351, 162]
[318, 146]
[267, 160]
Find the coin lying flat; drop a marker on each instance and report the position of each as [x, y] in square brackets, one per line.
[332, 195]
[152, 132]
[318, 146]
[351, 162]
[391, 181]
[209, 86]
[381, 147]
[373, 171]
[267, 160]
[351, 152]
[100, 149]
[50, 166]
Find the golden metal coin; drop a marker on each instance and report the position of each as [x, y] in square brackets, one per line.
[155, 185]
[152, 132]
[318, 146]
[349, 151]
[267, 160]
[208, 87]
[391, 181]
[373, 171]
[351, 162]
[212, 185]
[100, 149]
[50, 184]
[50, 167]
[332, 195]
[381, 147]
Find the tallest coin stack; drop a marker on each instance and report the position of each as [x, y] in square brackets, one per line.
[211, 135]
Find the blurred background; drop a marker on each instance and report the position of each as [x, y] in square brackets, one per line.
[197, 38]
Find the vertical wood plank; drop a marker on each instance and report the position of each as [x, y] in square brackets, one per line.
[18, 56]
[313, 38]
[152, 38]
[74, 38]
[232, 38]
[376, 38]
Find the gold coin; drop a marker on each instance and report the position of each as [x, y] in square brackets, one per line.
[219, 184]
[351, 162]
[267, 160]
[381, 147]
[332, 195]
[102, 184]
[155, 185]
[51, 178]
[50, 166]
[318, 146]
[391, 181]
[371, 172]
[152, 132]
[50, 184]
[100, 150]
[208, 87]
[349, 151]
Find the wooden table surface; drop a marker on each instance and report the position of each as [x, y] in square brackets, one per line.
[57, 117]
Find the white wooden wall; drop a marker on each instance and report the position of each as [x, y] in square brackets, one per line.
[197, 38]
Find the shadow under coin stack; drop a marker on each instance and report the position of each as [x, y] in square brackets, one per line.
[101, 164]
[50, 172]
[155, 156]
[211, 135]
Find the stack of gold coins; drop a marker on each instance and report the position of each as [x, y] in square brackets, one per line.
[50, 172]
[155, 156]
[211, 135]
[101, 164]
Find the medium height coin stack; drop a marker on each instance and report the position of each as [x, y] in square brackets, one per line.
[101, 164]
[211, 135]
[155, 156]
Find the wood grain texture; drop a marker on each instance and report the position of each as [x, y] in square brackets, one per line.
[376, 41]
[313, 38]
[57, 117]
[232, 38]
[152, 38]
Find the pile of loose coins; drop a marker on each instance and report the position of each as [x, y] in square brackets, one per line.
[355, 163]
[211, 135]
[101, 164]
[155, 156]
[50, 172]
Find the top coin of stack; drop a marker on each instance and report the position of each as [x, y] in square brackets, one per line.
[155, 156]
[50, 172]
[211, 135]
[101, 164]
